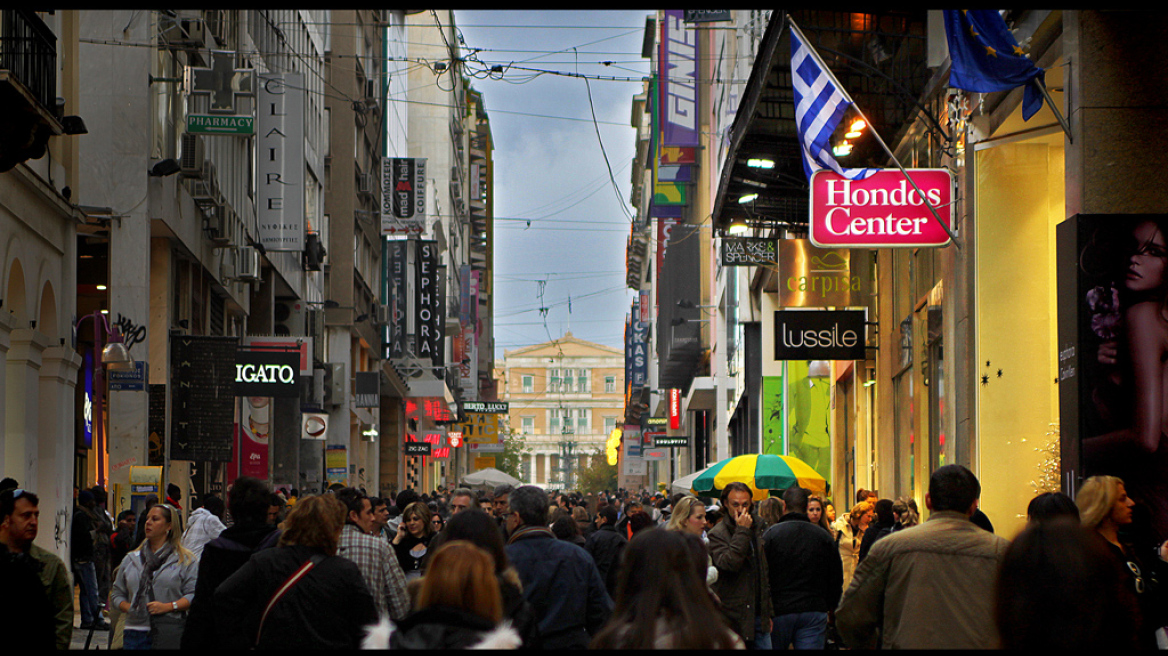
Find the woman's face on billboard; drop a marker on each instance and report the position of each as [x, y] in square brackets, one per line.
[1147, 265]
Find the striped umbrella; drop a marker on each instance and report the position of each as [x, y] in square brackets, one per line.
[761, 472]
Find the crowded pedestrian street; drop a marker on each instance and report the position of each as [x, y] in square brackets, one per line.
[583, 329]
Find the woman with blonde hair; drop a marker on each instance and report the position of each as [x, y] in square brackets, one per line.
[412, 540]
[850, 533]
[299, 595]
[156, 583]
[1104, 507]
[770, 510]
[459, 606]
[689, 516]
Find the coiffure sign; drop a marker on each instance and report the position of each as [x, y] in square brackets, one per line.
[882, 211]
[820, 334]
[259, 373]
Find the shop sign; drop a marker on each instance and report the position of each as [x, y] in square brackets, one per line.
[492, 407]
[882, 211]
[674, 408]
[814, 277]
[417, 449]
[749, 251]
[259, 373]
[314, 426]
[670, 441]
[403, 200]
[240, 126]
[368, 389]
[280, 168]
[820, 334]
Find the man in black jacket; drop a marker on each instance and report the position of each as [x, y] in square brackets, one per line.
[84, 572]
[606, 545]
[806, 575]
[248, 501]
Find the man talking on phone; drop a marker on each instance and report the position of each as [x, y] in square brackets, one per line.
[743, 583]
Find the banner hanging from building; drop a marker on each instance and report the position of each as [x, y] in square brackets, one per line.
[403, 195]
[429, 304]
[256, 426]
[1112, 272]
[396, 266]
[280, 162]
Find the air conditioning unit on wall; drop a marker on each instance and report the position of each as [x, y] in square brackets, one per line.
[247, 266]
[288, 317]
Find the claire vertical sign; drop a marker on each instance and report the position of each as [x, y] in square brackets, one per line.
[280, 162]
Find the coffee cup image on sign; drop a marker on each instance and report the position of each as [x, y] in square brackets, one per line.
[315, 426]
[258, 420]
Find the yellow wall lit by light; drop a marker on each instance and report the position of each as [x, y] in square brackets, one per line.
[1019, 201]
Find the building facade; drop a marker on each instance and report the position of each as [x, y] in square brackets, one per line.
[564, 398]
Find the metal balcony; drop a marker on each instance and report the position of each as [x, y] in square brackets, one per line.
[28, 51]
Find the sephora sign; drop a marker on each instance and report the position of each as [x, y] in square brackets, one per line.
[882, 211]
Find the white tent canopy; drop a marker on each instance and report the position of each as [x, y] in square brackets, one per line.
[490, 477]
[685, 483]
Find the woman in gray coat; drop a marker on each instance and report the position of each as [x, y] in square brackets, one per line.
[156, 583]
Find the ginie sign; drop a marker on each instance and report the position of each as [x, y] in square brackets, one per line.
[882, 211]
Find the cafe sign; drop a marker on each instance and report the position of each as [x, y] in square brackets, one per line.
[260, 373]
[881, 211]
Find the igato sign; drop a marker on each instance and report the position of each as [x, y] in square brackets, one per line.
[259, 373]
[882, 211]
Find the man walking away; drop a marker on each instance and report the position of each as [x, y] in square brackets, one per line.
[606, 545]
[84, 571]
[205, 525]
[559, 578]
[931, 587]
[249, 533]
[806, 575]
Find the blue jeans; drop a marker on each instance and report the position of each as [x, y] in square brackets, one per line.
[86, 576]
[762, 639]
[132, 639]
[801, 630]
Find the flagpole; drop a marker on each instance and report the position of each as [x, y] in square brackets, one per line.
[848, 97]
[1057, 114]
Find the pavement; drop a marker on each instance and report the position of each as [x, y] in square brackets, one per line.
[100, 639]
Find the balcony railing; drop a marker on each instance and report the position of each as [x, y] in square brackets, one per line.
[28, 49]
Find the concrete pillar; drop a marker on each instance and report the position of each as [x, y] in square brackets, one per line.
[55, 448]
[22, 396]
[1115, 101]
[7, 323]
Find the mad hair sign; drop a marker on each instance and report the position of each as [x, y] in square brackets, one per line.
[882, 211]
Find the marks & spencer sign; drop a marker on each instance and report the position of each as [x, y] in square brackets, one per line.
[820, 334]
[883, 211]
[267, 374]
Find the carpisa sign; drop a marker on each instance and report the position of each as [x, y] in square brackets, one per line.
[882, 211]
[820, 334]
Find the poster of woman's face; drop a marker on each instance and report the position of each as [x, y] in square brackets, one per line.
[1122, 358]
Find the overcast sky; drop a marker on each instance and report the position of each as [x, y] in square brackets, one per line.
[550, 167]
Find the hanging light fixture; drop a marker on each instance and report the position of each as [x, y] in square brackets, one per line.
[737, 227]
[115, 356]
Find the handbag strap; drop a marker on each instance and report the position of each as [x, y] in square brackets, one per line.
[284, 588]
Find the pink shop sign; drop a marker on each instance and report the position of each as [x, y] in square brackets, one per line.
[882, 211]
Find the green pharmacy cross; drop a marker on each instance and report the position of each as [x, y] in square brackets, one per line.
[223, 81]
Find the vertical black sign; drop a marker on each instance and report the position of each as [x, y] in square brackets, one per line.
[202, 397]
[156, 425]
[368, 394]
[396, 346]
[428, 303]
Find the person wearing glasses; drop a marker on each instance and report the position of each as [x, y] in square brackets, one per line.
[1104, 508]
[19, 520]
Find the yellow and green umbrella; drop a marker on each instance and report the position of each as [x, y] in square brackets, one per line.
[760, 472]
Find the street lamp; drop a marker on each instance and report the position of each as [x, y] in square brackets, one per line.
[114, 356]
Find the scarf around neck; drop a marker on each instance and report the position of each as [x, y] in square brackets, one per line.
[152, 561]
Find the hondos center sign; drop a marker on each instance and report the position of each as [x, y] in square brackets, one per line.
[881, 211]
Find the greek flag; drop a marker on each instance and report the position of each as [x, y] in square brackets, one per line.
[819, 106]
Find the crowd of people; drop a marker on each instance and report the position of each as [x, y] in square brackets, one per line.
[519, 567]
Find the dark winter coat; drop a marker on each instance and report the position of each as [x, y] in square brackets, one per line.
[221, 558]
[743, 583]
[328, 608]
[806, 574]
[606, 546]
[562, 584]
[440, 627]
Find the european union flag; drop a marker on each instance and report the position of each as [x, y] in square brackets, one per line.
[985, 57]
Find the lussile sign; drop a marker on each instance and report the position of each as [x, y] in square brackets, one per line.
[882, 211]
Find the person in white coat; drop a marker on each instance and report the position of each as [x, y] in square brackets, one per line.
[204, 525]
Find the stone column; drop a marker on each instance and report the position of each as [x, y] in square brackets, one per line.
[22, 401]
[7, 322]
[1115, 100]
[57, 429]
